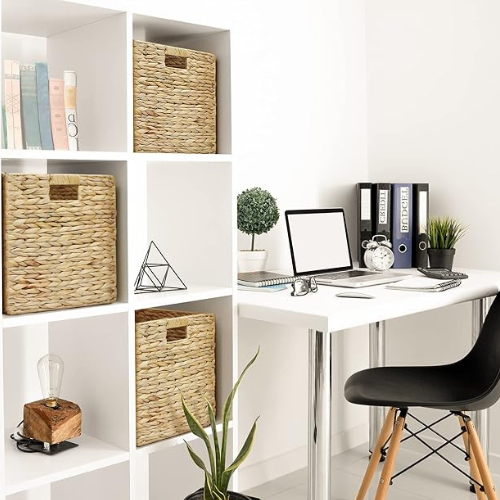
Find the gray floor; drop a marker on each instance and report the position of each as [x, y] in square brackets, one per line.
[432, 480]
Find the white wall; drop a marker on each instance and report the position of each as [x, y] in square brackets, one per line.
[299, 130]
[433, 74]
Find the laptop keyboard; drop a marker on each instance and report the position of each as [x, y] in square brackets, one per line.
[345, 274]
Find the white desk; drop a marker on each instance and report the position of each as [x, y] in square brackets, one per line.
[322, 313]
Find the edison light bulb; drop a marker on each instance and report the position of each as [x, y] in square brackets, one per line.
[50, 373]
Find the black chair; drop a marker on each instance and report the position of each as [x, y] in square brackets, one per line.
[470, 384]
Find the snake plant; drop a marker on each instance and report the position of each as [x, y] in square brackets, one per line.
[217, 474]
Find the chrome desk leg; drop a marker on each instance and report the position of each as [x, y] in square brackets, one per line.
[480, 309]
[320, 400]
[377, 358]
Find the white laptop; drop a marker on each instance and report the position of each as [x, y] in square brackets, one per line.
[319, 247]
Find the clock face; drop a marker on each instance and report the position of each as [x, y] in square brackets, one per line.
[382, 258]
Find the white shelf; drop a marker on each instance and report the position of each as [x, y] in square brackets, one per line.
[30, 470]
[176, 441]
[63, 314]
[30, 154]
[194, 293]
[183, 158]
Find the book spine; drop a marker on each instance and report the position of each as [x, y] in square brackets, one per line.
[16, 105]
[4, 127]
[402, 225]
[8, 97]
[57, 117]
[30, 107]
[70, 109]
[364, 197]
[42, 93]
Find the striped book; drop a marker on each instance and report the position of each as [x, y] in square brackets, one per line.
[57, 115]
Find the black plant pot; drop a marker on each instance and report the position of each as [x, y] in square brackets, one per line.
[198, 495]
[441, 257]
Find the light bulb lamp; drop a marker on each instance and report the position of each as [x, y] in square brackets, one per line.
[52, 420]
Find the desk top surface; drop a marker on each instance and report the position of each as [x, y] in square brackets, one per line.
[325, 312]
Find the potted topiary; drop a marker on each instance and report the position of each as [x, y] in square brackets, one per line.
[443, 234]
[257, 213]
[217, 474]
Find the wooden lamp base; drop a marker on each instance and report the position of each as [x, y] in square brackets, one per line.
[52, 425]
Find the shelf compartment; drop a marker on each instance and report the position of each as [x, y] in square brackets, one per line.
[63, 314]
[29, 470]
[175, 441]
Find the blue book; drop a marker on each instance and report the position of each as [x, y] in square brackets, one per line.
[42, 92]
[29, 106]
[402, 224]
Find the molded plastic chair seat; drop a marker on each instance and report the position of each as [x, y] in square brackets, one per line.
[446, 387]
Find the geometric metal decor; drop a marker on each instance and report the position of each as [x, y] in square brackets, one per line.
[154, 273]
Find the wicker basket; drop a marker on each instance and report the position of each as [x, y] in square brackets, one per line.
[174, 99]
[175, 355]
[59, 241]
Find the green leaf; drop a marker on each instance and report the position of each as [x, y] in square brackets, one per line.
[226, 410]
[213, 425]
[242, 455]
[196, 459]
[198, 430]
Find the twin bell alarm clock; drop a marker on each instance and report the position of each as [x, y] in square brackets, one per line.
[378, 253]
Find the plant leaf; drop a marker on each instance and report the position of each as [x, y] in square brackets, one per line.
[213, 425]
[198, 430]
[207, 490]
[226, 410]
[196, 459]
[242, 455]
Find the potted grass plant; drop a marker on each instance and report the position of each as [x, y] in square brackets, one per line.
[443, 234]
[258, 213]
[218, 473]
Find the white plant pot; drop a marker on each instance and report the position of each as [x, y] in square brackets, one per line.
[251, 260]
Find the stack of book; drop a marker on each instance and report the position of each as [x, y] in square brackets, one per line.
[39, 112]
[398, 211]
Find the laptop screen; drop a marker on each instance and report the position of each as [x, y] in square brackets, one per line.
[318, 240]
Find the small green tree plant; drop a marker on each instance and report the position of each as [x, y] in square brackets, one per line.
[217, 474]
[257, 212]
[444, 232]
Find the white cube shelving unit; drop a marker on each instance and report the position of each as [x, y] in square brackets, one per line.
[185, 203]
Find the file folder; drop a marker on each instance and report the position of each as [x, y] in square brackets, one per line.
[364, 198]
[381, 210]
[402, 231]
[420, 219]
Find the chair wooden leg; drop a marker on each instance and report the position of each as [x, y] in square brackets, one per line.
[377, 453]
[484, 470]
[385, 478]
[474, 471]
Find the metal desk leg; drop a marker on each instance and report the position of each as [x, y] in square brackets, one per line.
[480, 309]
[377, 358]
[320, 400]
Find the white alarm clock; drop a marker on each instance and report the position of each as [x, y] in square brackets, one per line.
[378, 254]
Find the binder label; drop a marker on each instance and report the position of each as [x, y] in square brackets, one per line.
[366, 203]
[422, 211]
[404, 209]
[382, 206]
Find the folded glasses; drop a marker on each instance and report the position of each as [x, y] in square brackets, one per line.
[303, 286]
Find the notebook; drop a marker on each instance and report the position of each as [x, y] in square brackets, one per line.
[259, 279]
[319, 247]
[422, 284]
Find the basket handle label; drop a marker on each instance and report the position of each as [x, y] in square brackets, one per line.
[174, 61]
[63, 187]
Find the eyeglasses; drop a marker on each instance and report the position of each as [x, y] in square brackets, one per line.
[303, 286]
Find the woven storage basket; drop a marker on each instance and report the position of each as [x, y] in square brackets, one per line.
[175, 355]
[174, 99]
[59, 241]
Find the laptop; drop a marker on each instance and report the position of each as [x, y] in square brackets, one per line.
[319, 247]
